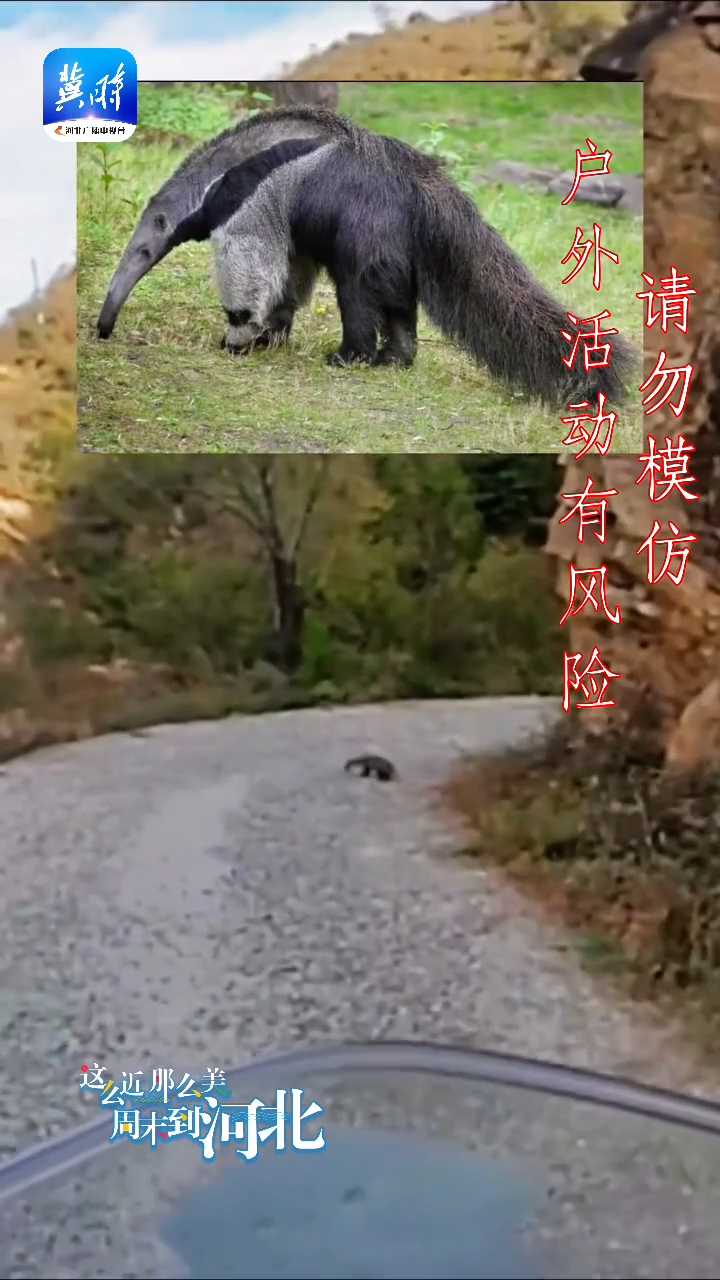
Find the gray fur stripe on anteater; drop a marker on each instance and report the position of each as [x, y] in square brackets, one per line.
[290, 192]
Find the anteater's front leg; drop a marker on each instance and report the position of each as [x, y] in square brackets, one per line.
[242, 338]
[253, 278]
[261, 295]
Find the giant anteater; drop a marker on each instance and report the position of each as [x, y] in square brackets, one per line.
[291, 191]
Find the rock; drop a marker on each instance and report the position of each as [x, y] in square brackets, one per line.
[121, 671]
[13, 513]
[292, 93]
[695, 740]
[519, 174]
[623, 56]
[601, 190]
[17, 732]
[265, 676]
[613, 191]
[632, 198]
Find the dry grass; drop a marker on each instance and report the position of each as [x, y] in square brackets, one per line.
[506, 43]
[37, 396]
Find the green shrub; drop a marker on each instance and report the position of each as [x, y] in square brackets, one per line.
[55, 634]
[176, 610]
[171, 109]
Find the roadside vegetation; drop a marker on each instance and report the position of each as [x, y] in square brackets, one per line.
[612, 845]
[170, 588]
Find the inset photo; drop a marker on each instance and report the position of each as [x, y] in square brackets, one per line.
[306, 267]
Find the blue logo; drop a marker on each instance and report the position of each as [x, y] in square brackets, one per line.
[90, 95]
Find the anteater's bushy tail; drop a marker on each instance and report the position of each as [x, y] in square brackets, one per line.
[479, 293]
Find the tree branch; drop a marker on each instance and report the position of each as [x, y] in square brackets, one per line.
[311, 501]
[264, 470]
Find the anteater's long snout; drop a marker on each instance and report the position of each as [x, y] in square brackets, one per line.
[131, 269]
[134, 264]
[109, 314]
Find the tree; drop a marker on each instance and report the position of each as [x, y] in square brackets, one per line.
[275, 499]
[515, 494]
[431, 518]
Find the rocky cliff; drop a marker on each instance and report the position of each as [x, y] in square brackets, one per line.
[668, 646]
[37, 432]
[37, 406]
[515, 41]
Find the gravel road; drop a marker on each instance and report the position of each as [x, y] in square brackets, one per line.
[223, 890]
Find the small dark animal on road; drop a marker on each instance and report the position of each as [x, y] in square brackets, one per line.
[372, 767]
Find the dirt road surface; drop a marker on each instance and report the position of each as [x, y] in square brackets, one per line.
[207, 893]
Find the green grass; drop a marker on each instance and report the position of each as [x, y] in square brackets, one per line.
[541, 124]
[601, 955]
[173, 113]
[163, 385]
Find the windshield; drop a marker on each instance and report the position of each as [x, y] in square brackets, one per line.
[422, 1174]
